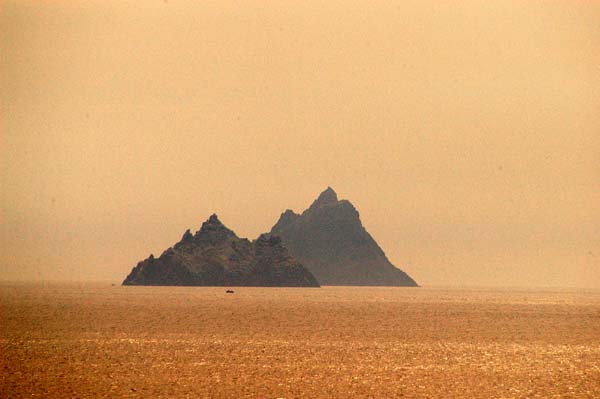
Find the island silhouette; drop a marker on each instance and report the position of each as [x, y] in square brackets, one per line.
[326, 244]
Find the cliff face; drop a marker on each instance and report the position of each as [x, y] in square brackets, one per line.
[330, 240]
[215, 256]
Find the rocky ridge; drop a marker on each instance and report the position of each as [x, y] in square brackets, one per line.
[216, 256]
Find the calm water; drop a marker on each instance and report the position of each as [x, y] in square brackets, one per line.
[95, 340]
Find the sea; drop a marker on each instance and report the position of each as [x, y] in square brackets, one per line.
[90, 340]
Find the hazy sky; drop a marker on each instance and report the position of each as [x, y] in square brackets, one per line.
[467, 134]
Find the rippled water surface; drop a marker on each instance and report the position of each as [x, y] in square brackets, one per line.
[98, 340]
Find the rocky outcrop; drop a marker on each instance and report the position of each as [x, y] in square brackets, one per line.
[216, 256]
[330, 240]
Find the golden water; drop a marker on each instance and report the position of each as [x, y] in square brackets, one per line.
[98, 340]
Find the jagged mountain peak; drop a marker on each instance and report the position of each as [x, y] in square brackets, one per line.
[288, 213]
[187, 236]
[213, 225]
[286, 218]
[330, 240]
[214, 220]
[327, 197]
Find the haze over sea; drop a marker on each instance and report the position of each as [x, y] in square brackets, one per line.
[465, 133]
[98, 340]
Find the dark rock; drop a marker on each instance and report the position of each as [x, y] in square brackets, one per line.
[215, 256]
[187, 236]
[327, 197]
[330, 240]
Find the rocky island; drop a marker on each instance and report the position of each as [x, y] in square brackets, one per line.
[330, 240]
[216, 256]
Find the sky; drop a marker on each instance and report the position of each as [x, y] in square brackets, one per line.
[467, 134]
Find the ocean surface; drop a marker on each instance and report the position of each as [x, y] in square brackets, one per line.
[97, 340]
